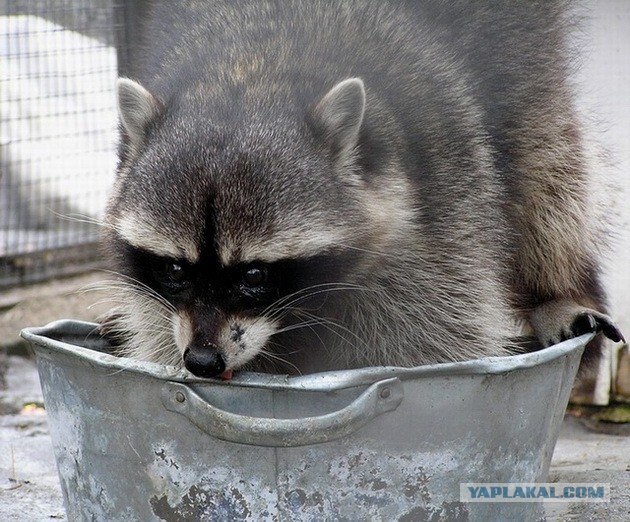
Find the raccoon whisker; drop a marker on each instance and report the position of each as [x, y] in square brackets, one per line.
[291, 304]
[120, 277]
[76, 216]
[154, 328]
[163, 348]
[149, 300]
[146, 330]
[273, 357]
[85, 218]
[292, 352]
[304, 324]
[158, 312]
[163, 352]
[297, 326]
[308, 289]
[155, 320]
[118, 286]
[325, 346]
[127, 282]
[319, 337]
[332, 325]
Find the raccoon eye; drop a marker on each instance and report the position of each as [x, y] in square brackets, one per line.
[172, 275]
[175, 272]
[254, 276]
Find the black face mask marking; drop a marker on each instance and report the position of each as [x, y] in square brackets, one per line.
[242, 288]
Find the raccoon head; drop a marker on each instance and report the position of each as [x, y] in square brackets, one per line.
[227, 230]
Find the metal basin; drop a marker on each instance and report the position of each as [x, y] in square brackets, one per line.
[139, 441]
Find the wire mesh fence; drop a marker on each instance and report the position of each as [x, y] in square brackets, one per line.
[58, 65]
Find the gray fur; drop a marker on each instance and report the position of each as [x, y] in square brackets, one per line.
[435, 143]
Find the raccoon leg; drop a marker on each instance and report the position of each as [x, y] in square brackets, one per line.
[561, 319]
[563, 228]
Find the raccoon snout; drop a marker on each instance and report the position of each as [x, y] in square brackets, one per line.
[204, 361]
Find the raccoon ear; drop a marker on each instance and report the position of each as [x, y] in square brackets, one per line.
[339, 114]
[137, 107]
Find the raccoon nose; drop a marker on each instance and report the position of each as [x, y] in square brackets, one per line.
[204, 362]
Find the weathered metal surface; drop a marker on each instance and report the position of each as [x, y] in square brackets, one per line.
[137, 441]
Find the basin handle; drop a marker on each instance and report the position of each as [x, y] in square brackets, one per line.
[380, 397]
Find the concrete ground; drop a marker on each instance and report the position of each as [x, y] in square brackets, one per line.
[29, 487]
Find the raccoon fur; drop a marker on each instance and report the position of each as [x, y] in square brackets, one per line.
[309, 185]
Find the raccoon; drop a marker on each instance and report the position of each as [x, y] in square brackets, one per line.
[308, 185]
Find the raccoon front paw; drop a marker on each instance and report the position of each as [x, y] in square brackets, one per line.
[592, 321]
[563, 319]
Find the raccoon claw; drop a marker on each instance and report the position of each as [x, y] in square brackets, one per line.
[583, 324]
[592, 322]
[562, 319]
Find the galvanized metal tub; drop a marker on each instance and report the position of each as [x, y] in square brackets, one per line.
[139, 441]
